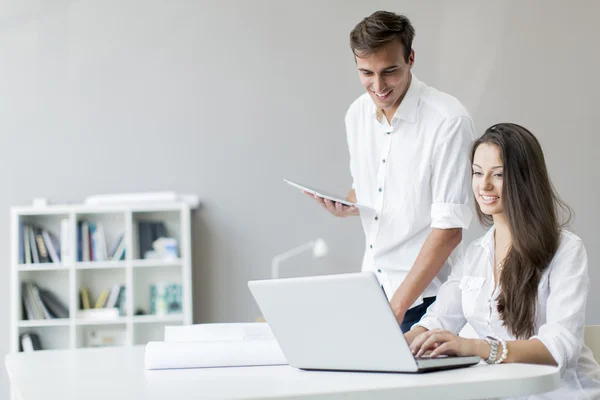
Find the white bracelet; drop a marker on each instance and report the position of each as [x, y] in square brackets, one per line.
[504, 351]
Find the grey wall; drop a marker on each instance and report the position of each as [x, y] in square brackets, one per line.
[223, 98]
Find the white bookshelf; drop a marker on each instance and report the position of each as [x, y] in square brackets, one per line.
[65, 279]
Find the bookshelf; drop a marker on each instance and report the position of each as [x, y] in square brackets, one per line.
[99, 265]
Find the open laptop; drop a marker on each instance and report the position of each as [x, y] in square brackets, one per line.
[340, 322]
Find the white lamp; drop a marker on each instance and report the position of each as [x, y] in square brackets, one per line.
[318, 247]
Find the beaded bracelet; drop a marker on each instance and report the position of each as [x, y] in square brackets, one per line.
[504, 351]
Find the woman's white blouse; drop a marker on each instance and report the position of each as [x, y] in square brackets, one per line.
[469, 296]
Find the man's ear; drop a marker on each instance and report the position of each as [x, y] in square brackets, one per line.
[411, 58]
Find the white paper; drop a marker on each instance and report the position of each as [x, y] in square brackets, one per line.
[218, 332]
[167, 355]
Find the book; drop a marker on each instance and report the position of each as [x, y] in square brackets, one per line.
[113, 298]
[28, 310]
[43, 251]
[65, 240]
[34, 250]
[21, 243]
[85, 298]
[145, 237]
[52, 246]
[85, 242]
[56, 308]
[27, 244]
[118, 251]
[102, 299]
[29, 341]
[102, 252]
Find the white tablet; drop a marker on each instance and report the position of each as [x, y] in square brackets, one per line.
[324, 195]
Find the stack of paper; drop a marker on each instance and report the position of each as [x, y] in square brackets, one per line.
[215, 345]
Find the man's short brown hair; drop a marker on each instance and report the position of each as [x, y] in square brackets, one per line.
[379, 29]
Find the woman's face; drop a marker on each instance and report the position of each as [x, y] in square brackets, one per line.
[488, 178]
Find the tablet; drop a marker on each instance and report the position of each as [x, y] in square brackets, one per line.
[324, 195]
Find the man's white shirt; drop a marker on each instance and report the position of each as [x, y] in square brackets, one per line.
[414, 173]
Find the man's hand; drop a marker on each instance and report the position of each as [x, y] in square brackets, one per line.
[335, 208]
[442, 342]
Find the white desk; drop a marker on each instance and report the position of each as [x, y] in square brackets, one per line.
[118, 373]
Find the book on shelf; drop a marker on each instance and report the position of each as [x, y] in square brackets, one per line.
[109, 305]
[29, 341]
[92, 245]
[149, 232]
[117, 250]
[40, 303]
[214, 345]
[35, 257]
[166, 298]
[40, 245]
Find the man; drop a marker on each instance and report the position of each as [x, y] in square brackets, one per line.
[409, 161]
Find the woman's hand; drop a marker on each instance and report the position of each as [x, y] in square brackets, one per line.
[442, 342]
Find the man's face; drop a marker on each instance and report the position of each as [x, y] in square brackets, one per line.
[386, 75]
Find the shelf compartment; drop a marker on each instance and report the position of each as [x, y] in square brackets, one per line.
[51, 337]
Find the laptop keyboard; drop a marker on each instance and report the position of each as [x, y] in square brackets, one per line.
[428, 357]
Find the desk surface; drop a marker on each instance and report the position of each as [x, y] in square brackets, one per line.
[114, 373]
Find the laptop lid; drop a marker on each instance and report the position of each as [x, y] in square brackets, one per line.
[334, 322]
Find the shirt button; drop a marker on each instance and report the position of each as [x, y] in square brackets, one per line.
[376, 218]
[383, 161]
[378, 270]
[380, 189]
[371, 246]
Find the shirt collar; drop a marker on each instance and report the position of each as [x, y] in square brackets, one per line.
[407, 110]
[487, 240]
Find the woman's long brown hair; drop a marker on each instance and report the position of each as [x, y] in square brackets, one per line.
[531, 207]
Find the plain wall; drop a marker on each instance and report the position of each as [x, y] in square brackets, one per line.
[224, 98]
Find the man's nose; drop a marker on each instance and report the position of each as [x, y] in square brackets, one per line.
[378, 84]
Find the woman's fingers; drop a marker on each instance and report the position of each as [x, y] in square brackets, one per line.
[415, 346]
[449, 348]
[435, 338]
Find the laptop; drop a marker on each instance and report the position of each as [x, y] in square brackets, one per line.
[340, 322]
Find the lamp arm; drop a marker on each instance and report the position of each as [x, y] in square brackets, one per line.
[288, 254]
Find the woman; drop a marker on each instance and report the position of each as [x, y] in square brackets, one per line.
[523, 286]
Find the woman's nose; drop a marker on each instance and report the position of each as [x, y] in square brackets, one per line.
[487, 183]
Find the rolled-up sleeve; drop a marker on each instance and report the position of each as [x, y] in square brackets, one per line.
[451, 171]
[562, 334]
[446, 312]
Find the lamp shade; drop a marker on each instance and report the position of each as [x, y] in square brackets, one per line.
[320, 248]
